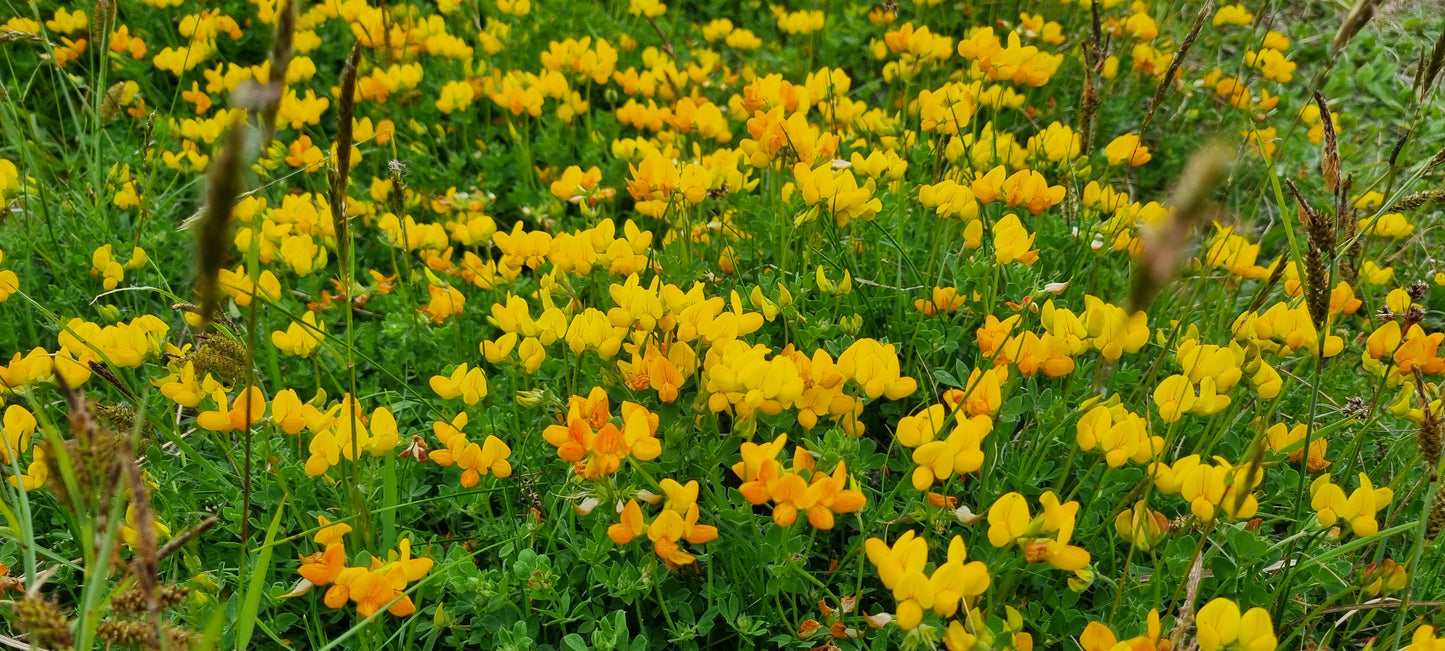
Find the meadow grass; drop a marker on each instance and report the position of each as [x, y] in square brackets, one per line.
[828, 325]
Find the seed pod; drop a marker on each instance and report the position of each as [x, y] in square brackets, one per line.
[44, 621]
[213, 239]
[1436, 520]
[1428, 435]
[1419, 199]
[1321, 245]
[1330, 154]
[134, 601]
[341, 175]
[101, 16]
[111, 104]
[123, 633]
[223, 357]
[8, 36]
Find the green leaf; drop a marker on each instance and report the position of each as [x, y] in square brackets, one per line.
[574, 642]
[246, 619]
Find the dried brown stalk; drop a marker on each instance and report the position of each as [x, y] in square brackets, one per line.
[1199, 20]
[180, 541]
[146, 563]
[281, 51]
[1432, 67]
[213, 238]
[1089, 103]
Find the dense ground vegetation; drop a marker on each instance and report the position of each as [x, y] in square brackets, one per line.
[840, 325]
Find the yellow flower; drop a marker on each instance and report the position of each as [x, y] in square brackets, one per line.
[1029, 189]
[323, 568]
[290, 414]
[1385, 577]
[183, 389]
[1291, 439]
[800, 22]
[475, 460]
[246, 410]
[370, 590]
[1011, 242]
[445, 302]
[330, 534]
[1044, 538]
[104, 264]
[1122, 435]
[592, 330]
[1272, 63]
[596, 445]
[299, 339]
[1174, 397]
[1127, 149]
[630, 525]
[1219, 625]
[1209, 487]
[1374, 275]
[956, 581]
[1235, 14]
[66, 22]
[9, 282]
[35, 474]
[648, 8]
[20, 425]
[949, 199]
[1098, 637]
[9, 178]
[960, 452]
[455, 96]
[841, 288]
[516, 8]
[672, 527]
[1425, 640]
[469, 385]
[1331, 505]
[1234, 253]
[1142, 527]
[836, 192]
[128, 529]
[302, 254]
[945, 300]
[900, 567]
[575, 185]
[874, 367]
[1113, 331]
[237, 284]
[1392, 225]
[745, 380]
